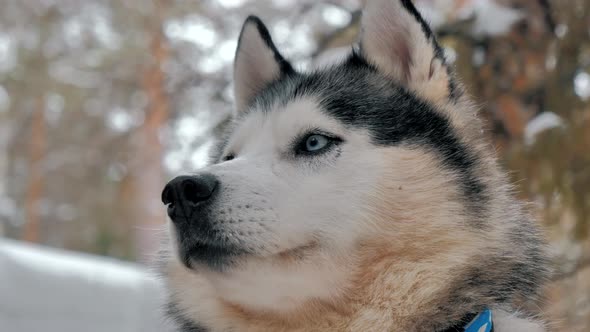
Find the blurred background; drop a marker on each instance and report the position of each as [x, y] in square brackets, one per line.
[102, 101]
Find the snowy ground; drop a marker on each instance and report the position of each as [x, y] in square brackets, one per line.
[49, 290]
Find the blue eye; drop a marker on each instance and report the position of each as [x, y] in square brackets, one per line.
[316, 142]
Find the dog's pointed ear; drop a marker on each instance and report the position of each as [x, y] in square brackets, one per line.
[257, 62]
[397, 40]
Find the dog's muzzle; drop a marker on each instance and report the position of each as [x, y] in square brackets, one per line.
[190, 201]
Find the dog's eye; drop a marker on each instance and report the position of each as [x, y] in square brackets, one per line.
[228, 157]
[316, 142]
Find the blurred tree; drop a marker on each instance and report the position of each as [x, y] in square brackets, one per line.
[146, 170]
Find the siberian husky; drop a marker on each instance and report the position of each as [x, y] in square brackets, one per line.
[362, 196]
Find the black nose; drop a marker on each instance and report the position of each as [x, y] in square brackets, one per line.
[189, 190]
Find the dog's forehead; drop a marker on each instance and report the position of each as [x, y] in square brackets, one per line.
[318, 99]
[300, 113]
[352, 80]
[353, 94]
[282, 122]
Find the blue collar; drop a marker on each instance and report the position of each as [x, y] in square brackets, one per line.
[481, 323]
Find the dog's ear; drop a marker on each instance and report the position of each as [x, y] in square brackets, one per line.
[397, 40]
[257, 62]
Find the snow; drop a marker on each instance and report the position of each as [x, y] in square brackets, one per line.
[582, 85]
[47, 290]
[541, 123]
[336, 16]
[491, 18]
[194, 29]
[231, 3]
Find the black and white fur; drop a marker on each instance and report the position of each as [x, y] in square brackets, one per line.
[403, 222]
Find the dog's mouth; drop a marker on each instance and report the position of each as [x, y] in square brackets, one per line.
[220, 257]
[214, 256]
[298, 252]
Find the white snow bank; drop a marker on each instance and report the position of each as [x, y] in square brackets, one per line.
[50, 290]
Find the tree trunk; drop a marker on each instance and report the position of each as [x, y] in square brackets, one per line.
[35, 185]
[148, 173]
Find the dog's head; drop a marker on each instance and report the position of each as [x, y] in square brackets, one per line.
[323, 172]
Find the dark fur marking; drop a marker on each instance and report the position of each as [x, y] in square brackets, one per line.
[409, 6]
[505, 278]
[184, 324]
